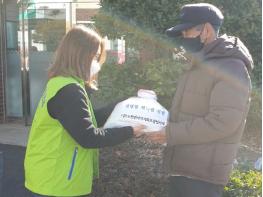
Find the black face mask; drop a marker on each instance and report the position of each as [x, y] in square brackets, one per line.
[192, 44]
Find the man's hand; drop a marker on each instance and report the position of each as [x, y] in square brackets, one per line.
[138, 131]
[156, 137]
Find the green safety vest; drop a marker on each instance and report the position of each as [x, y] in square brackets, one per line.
[55, 164]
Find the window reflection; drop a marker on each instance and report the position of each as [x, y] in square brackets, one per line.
[12, 40]
[47, 29]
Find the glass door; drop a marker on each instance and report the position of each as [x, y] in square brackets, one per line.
[43, 26]
[44, 34]
[43, 23]
[12, 44]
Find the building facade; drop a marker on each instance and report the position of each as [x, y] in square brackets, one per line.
[30, 33]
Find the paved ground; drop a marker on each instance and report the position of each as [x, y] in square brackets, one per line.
[13, 173]
[13, 139]
[130, 155]
[13, 134]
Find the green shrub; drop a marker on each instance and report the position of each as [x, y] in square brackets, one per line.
[244, 184]
[254, 119]
[122, 81]
[142, 22]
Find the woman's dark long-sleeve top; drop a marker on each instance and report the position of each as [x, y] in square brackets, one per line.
[70, 108]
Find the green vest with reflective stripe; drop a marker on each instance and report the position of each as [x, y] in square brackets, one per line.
[55, 164]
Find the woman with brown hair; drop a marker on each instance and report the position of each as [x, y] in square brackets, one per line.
[62, 156]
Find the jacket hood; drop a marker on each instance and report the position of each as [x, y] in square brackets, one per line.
[228, 46]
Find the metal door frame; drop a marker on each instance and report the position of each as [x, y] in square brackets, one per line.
[24, 64]
[3, 53]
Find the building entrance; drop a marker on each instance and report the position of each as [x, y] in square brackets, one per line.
[33, 31]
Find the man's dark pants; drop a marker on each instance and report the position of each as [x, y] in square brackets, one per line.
[180, 186]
